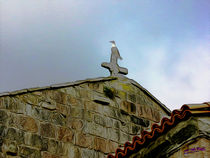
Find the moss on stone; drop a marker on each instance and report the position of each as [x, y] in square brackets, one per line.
[126, 87]
[109, 92]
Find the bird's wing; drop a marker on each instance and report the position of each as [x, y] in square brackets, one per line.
[118, 53]
[115, 50]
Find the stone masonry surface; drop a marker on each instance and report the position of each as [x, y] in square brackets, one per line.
[82, 120]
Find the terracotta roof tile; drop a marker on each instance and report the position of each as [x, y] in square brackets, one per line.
[156, 130]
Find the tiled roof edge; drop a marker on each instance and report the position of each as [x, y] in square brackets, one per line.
[176, 117]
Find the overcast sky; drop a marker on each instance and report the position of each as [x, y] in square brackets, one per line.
[164, 44]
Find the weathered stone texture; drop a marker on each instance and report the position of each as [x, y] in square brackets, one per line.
[28, 124]
[10, 147]
[185, 139]
[63, 109]
[111, 146]
[198, 149]
[100, 144]
[65, 134]
[49, 155]
[84, 140]
[3, 116]
[15, 105]
[76, 124]
[36, 140]
[27, 152]
[47, 130]
[80, 120]
[13, 134]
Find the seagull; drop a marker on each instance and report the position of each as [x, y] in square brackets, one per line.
[115, 53]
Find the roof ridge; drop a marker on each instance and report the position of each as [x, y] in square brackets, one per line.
[167, 110]
[74, 83]
[59, 85]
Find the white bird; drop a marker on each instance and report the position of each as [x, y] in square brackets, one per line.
[115, 53]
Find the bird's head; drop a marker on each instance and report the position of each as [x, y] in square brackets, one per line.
[113, 43]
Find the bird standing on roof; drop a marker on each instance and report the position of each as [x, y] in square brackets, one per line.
[115, 53]
[113, 67]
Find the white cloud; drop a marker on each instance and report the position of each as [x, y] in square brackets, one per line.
[188, 81]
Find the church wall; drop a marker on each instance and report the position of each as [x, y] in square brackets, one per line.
[200, 148]
[187, 139]
[88, 119]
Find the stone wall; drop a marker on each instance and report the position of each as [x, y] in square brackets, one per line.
[199, 148]
[189, 138]
[87, 119]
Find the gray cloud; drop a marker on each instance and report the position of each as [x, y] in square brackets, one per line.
[44, 42]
